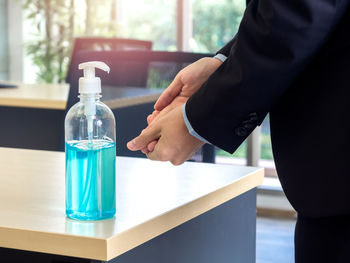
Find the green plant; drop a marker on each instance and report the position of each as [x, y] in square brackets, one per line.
[54, 25]
[215, 22]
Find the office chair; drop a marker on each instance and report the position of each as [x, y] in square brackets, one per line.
[105, 44]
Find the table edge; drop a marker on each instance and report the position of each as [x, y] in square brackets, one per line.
[109, 248]
[156, 226]
[33, 103]
[131, 101]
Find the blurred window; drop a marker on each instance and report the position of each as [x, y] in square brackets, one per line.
[215, 22]
[153, 20]
[266, 156]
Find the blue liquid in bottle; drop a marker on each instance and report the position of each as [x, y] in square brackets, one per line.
[90, 179]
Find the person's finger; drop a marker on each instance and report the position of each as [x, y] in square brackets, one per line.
[155, 114]
[149, 118]
[159, 114]
[169, 94]
[161, 152]
[152, 117]
[147, 136]
[151, 146]
[145, 150]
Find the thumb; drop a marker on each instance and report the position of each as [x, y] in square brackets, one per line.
[147, 136]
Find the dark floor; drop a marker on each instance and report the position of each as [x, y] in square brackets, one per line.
[275, 240]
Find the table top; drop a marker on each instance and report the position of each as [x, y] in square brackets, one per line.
[119, 97]
[44, 96]
[55, 96]
[152, 198]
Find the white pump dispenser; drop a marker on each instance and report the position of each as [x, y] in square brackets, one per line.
[90, 133]
[90, 83]
[89, 86]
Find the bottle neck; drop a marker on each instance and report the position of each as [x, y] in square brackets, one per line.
[89, 97]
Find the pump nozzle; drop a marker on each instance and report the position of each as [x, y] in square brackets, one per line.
[91, 65]
[90, 83]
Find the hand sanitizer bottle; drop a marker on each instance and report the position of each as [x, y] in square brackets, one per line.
[90, 151]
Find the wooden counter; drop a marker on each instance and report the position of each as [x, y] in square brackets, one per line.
[42, 96]
[55, 96]
[152, 198]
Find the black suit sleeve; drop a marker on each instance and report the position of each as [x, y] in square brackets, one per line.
[227, 48]
[275, 42]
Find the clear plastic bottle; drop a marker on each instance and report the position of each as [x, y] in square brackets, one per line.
[90, 151]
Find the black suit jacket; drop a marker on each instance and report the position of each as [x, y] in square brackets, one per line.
[290, 58]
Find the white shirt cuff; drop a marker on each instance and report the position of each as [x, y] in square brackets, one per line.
[220, 57]
[189, 127]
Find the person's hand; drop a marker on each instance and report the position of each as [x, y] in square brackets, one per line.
[178, 101]
[175, 143]
[184, 85]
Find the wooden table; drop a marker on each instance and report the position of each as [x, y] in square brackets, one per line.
[42, 96]
[55, 96]
[191, 213]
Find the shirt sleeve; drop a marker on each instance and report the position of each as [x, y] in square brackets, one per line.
[189, 127]
[220, 57]
[225, 50]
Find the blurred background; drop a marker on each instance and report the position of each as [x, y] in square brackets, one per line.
[38, 37]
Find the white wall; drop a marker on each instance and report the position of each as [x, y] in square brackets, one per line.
[3, 40]
[15, 40]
